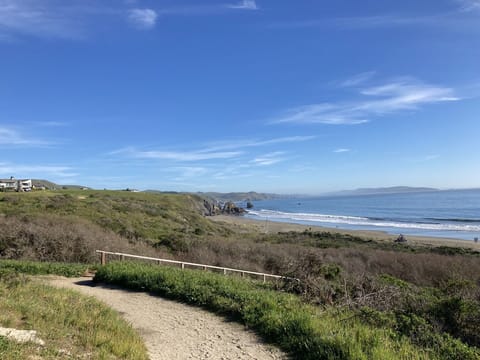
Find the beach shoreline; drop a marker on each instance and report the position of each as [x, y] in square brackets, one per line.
[268, 226]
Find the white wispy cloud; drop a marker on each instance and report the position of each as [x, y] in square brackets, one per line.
[202, 9]
[239, 176]
[269, 159]
[49, 124]
[341, 150]
[397, 95]
[185, 172]
[142, 18]
[302, 168]
[10, 136]
[455, 19]
[181, 156]
[226, 149]
[62, 19]
[431, 157]
[76, 19]
[365, 22]
[38, 18]
[469, 5]
[221, 160]
[324, 113]
[245, 143]
[358, 79]
[386, 21]
[35, 170]
[244, 5]
[426, 158]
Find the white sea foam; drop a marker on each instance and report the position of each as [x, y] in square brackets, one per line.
[360, 221]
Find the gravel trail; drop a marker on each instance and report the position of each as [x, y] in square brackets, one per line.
[172, 330]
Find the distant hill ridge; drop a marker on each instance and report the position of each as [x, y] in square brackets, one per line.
[253, 195]
[385, 190]
[240, 196]
[52, 186]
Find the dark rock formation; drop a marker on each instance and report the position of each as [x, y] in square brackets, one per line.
[213, 207]
[232, 209]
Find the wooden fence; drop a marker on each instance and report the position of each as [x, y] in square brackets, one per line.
[184, 264]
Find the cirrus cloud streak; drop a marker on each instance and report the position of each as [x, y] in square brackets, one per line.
[176, 155]
[370, 103]
[12, 137]
[35, 170]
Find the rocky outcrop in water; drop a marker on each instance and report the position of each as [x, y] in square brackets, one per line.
[213, 207]
[232, 209]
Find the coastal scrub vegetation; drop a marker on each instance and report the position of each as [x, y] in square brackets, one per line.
[425, 296]
[45, 268]
[71, 325]
[304, 331]
[69, 225]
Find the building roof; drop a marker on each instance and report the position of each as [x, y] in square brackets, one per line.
[8, 180]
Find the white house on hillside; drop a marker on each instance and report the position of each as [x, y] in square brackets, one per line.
[13, 184]
[8, 184]
[24, 185]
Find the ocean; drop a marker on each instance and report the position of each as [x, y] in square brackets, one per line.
[449, 213]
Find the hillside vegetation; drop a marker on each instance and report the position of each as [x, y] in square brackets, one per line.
[426, 296]
[304, 331]
[69, 225]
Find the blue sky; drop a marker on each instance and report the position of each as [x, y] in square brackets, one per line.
[280, 96]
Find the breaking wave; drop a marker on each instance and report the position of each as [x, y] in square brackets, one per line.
[365, 221]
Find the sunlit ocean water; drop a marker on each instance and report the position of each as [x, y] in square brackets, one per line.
[451, 214]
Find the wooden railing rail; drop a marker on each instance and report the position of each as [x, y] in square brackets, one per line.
[122, 256]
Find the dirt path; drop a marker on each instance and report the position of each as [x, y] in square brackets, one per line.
[172, 330]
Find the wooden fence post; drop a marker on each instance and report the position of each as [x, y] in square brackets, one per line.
[103, 259]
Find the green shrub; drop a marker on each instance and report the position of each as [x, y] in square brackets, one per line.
[44, 268]
[280, 318]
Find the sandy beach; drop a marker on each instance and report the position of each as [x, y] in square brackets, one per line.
[244, 224]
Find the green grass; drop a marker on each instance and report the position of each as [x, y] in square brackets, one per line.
[139, 216]
[305, 332]
[45, 268]
[73, 326]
